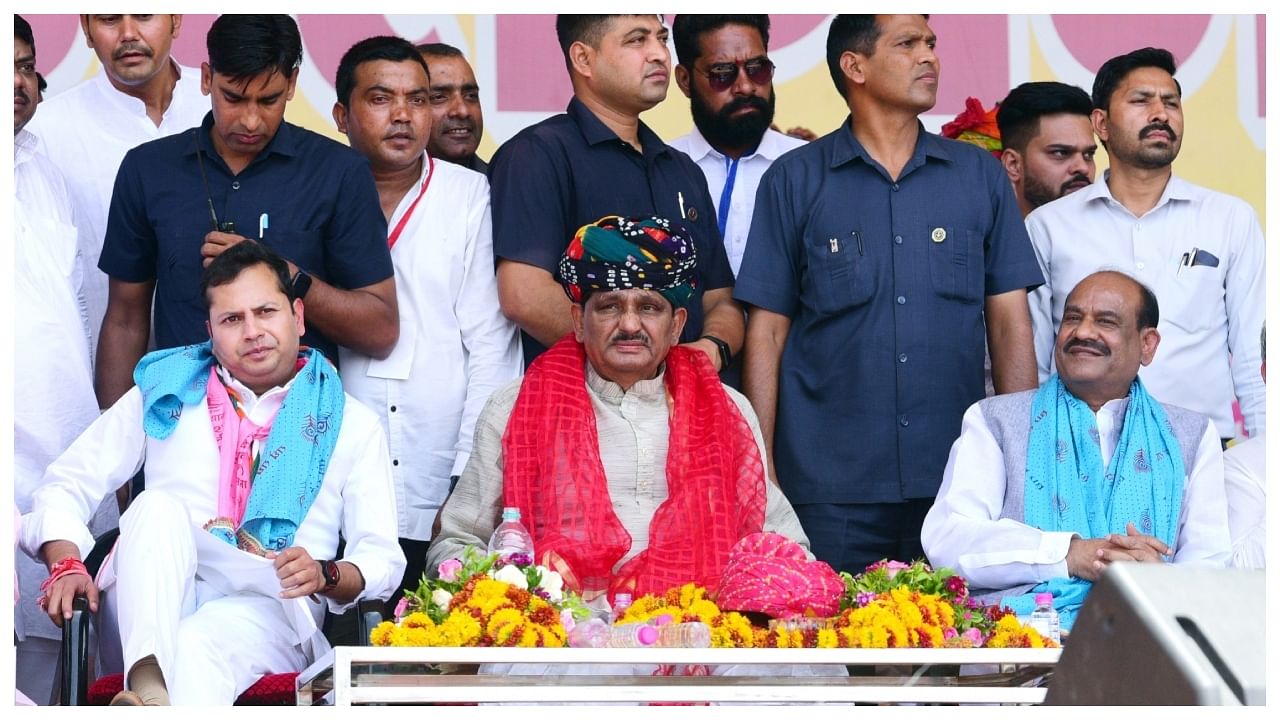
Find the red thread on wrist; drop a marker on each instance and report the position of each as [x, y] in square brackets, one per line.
[66, 566]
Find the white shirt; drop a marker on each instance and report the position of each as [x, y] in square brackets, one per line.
[1210, 317]
[742, 202]
[86, 131]
[356, 497]
[53, 399]
[963, 530]
[455, 345]
[1245, 466]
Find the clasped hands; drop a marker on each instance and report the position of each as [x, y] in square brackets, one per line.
[1086, 559]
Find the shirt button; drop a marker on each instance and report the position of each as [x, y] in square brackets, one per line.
[902, 300]
[895, 187]
[235, 185]
[1141, 265]
[397, 462]
[393, 408]
[902, 358]
[903, 421]
[897, 239]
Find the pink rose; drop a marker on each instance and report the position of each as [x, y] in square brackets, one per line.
[973, 635]
[448, 569]
[893, 567]
[401, 607]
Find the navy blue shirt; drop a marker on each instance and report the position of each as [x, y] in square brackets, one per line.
[322, 213]
[884, 283]
[570, 170]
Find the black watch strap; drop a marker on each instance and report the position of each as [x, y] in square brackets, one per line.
[301, 283]
[723, 347]
[331, 572]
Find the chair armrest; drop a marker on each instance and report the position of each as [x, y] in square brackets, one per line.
[371, 612]
[73, 688]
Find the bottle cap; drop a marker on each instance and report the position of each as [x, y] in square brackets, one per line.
[1044, 598]
[661, 620]
[621, 601]
[510, 513]
[646, 634]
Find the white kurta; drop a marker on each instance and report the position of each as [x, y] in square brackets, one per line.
[455, 346]
[86, 131]
[356, 499]
[1245, 468]
[963, 529]
[52, 378]
[1210, 317]
[742, 202]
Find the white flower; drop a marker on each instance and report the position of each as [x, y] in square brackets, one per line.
[441, 597]
[512, 575]
[552, 584]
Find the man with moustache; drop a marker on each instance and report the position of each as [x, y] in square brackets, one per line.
[52, 377]
[1048, 141]
[141, 94]
[726, 73]
[457, 121]
[880, 257]
[1202, 252]
[1020, 510]
[455, 346]
[244, 174]
[599, 159]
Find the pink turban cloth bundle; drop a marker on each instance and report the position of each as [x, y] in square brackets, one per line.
[770, 574]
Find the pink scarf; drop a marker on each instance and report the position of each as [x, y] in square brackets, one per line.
[235, 459]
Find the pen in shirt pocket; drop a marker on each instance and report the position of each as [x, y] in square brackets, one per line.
[263, 224]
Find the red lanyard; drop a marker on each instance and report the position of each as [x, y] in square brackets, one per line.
[395, 234]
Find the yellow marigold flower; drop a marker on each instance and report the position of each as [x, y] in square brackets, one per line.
[382, 634]
[417, 620]
[500, 618]
[827, 638]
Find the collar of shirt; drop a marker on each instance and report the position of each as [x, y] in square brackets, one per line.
[847, 149]
[284, 143]
[1110, 421]
[612, 393]
[769, 148]
[595, 132]
[129, 105]
[1175, 189]
[25, 145]
[258, 408]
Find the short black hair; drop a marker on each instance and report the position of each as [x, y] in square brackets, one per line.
[240, 257]
[687, 30]
[438, 49]
[1113, 72]
[41, 84]
[850, 33]
[1019, 113]
[245, 46]
[22, 31]
[381, 47]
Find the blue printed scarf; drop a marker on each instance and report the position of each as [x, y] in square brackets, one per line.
[296, 451]
[1067, 489]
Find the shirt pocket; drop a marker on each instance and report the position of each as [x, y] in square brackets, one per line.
[837, 272]
[956, 266]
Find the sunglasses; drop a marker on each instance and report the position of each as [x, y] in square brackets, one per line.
[722, 76]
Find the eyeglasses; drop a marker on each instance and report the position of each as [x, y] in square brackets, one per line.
[722, 76]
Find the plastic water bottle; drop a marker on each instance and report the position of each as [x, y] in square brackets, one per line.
[1045, 619]
[511, 536]
[684, 635]
[631, 635]
[592, 632]
[621, 602]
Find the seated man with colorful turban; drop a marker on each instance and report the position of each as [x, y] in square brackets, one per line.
[634, 468]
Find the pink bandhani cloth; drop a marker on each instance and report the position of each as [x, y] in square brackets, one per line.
[771, 574]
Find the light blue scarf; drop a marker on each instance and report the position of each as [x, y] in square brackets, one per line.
[1068, 491]
[296, 453]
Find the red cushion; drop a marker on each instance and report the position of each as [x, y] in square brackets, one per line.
[277, 689]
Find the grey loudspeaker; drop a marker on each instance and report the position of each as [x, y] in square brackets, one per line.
[1158, 634]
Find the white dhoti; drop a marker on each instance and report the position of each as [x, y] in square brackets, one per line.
[210, 646]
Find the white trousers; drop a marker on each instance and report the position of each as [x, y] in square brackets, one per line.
[210, 647]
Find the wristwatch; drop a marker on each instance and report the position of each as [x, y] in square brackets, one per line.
[301, 283]
[331, 573]
[723, 347]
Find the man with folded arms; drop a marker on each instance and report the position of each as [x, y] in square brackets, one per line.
[1200, 251]
[1046, 488]
[249, 442]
